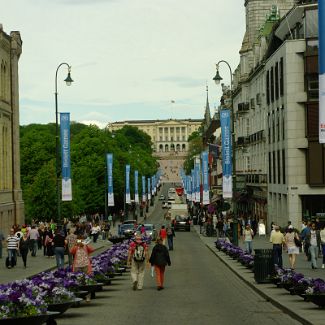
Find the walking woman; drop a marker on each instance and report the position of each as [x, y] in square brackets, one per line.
[293, 250]
[248, 235]
[159, 259]
[322, 238]
[59, 244]
[24, 247]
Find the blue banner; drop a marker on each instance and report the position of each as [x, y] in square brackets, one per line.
[205, 176]
[193, 185]
[149, 189]
[65, 156]
[144, 196]
[197, 169]
[189, 188]
[321, 59]
[127, 184]
[226, 153]
[136, 187]
[110, 192]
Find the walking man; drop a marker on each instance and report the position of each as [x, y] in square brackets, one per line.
[13, 247]
[33, 240]
[170, 237]
[277, 240]
[137, 259]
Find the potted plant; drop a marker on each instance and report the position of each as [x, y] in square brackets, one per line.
[316, 293]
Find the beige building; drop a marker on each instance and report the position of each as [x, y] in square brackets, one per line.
[11, 203]
[167, 136]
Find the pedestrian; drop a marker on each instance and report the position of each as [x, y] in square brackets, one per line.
[303, 235]
[59, 244]
[12, 247]
[290, 242]
[2, 238]
[322, 238]
[95, 230]
[137, 258]
[33, 240]
[313, 240]
[71, 241]
[81, 259]
[159, 259]
[163, 234]
[170, 237]
[277, 239]
[24, 245]
[248, 236]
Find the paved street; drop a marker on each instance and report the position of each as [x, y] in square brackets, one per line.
[202, 286]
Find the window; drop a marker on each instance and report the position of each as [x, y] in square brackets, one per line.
[278, 124]
[279, 168]
[281, 75]
[274, 168]
[270, 167]
[276, 80]
[268, 87]
[283, 125]
[312, 87]
[283, 167]
[311, 23]
[272, 85]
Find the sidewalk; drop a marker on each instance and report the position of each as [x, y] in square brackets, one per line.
[295, 306]
[38, 264]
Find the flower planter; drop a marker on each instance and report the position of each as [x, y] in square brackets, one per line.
[317, 299]
[62, 307]
[116, 240]
[91, 288]
[35, 320]
[81, 294]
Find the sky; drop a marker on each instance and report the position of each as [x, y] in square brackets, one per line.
[130, 59]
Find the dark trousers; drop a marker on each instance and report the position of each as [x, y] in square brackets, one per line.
[277, 254]
[24, 253]
[170, 240]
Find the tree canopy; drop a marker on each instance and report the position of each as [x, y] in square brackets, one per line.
[89, 146]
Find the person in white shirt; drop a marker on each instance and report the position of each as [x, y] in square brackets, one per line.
[33, 238]
[322, 239]
[95, 230]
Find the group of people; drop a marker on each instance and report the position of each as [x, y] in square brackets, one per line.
[311, 240]
[55, 241]
[139, 258]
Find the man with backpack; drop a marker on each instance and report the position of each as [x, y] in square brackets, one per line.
[170, 237]
[137, 259]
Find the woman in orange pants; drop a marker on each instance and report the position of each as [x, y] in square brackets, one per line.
[159, 259]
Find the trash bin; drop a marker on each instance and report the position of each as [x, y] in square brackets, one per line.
[263, 265]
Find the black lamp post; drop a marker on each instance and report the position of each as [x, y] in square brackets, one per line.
[217, 78]
[68, 81]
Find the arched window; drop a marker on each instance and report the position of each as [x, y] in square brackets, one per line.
[172, 147]
[183, 147]
[166, 148]
[161, 148]
[178, 147]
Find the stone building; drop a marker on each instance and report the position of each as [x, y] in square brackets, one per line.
[167, 136]
[276, 112]
[11, 203]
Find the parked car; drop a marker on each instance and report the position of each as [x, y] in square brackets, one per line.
[162, 197]
[148, 227]
[182, 223]
[127, 230]
[129, 221]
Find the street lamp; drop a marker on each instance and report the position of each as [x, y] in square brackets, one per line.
[217, 78]
[68, 81]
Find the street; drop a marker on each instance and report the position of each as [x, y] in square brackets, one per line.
[199, 289]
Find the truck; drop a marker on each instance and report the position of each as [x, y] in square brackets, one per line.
[178, 209]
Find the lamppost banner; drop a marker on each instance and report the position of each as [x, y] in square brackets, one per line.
[321, 58]
[109, 166]
[205, 176]
[193, 185]
[197, 170]
[153, 185]
[127, 184]
[144, 197]
[226, 153]
[149, 189]
[65, 156]
[189, 188]
[136, 187]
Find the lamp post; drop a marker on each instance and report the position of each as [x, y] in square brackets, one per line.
[68, 81]
[217, 78]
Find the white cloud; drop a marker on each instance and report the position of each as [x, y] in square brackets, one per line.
[128, 58]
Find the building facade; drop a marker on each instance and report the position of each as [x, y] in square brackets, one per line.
[276, 115]
[11, 203]
[167, 136]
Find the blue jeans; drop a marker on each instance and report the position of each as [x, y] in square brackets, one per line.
[313, 250]
[170, 242]
[59, 255]
[277, 254]
[12, 253]
[249, 246]
[33, 246]
[323, 251]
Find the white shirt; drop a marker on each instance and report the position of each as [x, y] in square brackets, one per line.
[313, 238]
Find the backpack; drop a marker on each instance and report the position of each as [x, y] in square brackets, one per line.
[169, 231]
[139, 253]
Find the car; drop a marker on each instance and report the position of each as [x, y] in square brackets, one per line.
[148, 227]
[182, 223]
[162, 197]
[165, 205]
[129, 221]
[127, 230]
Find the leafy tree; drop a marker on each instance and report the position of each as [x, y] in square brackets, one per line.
[195, 149]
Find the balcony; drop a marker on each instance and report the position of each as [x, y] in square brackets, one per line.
[243, 108]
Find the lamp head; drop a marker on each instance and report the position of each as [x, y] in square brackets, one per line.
[217, 78]
[68, 79]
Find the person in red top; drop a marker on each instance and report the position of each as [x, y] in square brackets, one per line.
[81, 261]
[163, 234]
[137, 259]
